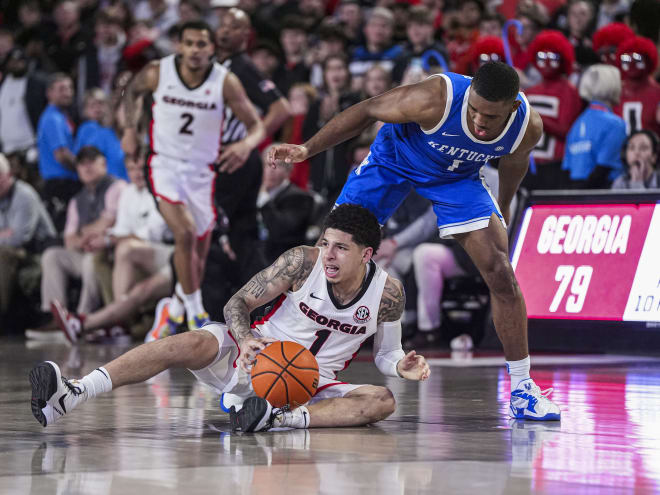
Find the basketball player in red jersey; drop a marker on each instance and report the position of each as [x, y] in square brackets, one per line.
[189, 94]
[331, 299]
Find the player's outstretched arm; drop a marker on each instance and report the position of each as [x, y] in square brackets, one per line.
[233, 156]
[513, 167]
[423, 103]
[144, 81]
[388, 355]
[289, 271]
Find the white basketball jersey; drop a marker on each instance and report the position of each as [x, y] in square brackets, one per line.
[187, 123]
[331, 331]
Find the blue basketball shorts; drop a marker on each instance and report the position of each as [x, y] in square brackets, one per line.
[461, 204]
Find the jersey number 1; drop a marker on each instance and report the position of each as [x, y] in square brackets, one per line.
[321, 337]
[187, 121]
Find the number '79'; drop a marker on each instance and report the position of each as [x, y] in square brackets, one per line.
[581, 278]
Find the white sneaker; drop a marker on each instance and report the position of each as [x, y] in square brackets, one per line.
[228, 400]
[53, 395]
[529, 402]
[461, 343]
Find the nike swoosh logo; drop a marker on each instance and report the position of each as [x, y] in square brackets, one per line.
[449, 135]
[61, 401]
[316, 297]
[305, 416]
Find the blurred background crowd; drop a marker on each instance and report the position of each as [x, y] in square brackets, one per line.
[78, 224]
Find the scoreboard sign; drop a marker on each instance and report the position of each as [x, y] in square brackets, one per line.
[590, 262]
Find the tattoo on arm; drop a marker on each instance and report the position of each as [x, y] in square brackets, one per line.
[290, 270]
[393, 301]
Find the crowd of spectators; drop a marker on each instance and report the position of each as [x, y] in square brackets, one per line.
[588, 68]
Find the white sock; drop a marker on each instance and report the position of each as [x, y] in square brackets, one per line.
[193, 303]
[519, 371]
[297, 418]
[97, 382]
[176, 307]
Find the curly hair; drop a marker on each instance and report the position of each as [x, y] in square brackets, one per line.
[554, 41]
[643, 46]
[357, 221]
[612, 34]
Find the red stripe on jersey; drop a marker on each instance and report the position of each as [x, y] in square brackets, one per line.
[237, 346]
[153, 187]
[151, 128]
[270, 313]
[348, 361]
[329, 385]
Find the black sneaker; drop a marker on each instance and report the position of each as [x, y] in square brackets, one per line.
[256, 415]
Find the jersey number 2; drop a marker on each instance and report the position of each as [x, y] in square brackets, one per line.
[187, 121]
[321, 337]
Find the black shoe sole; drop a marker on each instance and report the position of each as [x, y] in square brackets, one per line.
[44, 384]
[253, 411]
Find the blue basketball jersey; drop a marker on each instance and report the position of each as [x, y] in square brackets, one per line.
[450, 149]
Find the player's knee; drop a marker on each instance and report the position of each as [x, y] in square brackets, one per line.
[185, 237]
[385, 403]
[500, 277]
[49, 258]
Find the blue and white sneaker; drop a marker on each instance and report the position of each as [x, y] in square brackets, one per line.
[198, 321]
[529, 402]
[228, 400]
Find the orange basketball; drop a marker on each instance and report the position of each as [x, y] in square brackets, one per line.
[285, 373]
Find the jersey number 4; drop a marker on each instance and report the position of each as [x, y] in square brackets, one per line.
[187, 122]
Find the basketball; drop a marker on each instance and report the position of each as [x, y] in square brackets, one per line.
[285, 373]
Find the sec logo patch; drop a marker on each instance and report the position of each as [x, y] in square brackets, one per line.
[362, 315]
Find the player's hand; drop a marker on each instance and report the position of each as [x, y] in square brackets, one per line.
[250, 347]
[413, 367]
[233, 157]
[129, 141]
[386, 252]
[288, 153]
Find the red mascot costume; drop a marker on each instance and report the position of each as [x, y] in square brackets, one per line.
[486, 49]
[607, 39]
[557, 102]
[640, 94]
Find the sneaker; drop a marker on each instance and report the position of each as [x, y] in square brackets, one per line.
[46, 335]
[461, 343]
[198, 321]
[164, 325]
[52, 394]
[228, 400]
[256, 415]
[529, 402]
[69, 323]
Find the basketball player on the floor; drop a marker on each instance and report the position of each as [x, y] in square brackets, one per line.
[332, 298]
[438, 134]
[189, 93]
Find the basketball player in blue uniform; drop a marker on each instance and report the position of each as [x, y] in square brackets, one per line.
[437, 135]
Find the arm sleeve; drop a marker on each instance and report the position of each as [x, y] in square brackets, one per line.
[387, 347]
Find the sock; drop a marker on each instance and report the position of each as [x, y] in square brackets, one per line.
[297, 418]
[176, 308]
[97, 382]
[193, 304]
[519, 371]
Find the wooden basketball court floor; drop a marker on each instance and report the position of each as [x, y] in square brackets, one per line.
[448, 435]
